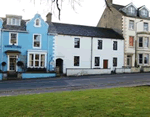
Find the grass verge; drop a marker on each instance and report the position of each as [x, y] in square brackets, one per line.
[115, 102]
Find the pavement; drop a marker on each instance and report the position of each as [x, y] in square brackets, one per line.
[36, 86]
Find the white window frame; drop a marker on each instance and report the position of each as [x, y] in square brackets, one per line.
[144, 12]
[142, 42]
[142, 59]
[10, 21]
[147, 29]
[39, 53]
[146, 42]
[8, 65]
[132, 10]
[145, 56]
[76, 42]
[40, 41]
[133, 24]
[10, 38]
[39, 22]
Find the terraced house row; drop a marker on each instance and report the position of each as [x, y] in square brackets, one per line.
[36, 45]
[37, 48]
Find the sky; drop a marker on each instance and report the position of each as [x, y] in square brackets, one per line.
[87, 13]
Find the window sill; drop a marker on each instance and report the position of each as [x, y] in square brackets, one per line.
[131, 47]
[37, 26]
[131, 29]
[36, 47]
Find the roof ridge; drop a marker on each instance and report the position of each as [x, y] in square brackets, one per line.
[119, 5]
[82, 25]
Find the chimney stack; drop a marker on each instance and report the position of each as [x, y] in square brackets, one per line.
[49, 17]
[110, 2]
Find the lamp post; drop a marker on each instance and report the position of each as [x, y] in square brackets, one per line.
[136, 38]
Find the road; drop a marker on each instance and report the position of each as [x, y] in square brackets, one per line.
[32, 86]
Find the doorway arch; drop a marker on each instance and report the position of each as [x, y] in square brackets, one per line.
[59, 64]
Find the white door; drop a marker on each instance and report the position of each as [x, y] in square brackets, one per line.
[12, 62]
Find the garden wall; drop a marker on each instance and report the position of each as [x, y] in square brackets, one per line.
[38, 75]
[1, 76]
[81, 72]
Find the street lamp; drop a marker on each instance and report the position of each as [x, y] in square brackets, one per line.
[136, 43]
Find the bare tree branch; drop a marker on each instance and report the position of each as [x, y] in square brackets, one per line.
[107, 5]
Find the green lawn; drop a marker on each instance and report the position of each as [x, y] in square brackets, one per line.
[116, 102]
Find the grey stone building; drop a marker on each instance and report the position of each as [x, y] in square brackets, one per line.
[133, 23]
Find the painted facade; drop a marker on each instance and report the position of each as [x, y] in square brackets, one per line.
[88, 51]
[44, 45]
[25, 48]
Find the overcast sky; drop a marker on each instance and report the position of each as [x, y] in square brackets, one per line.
[88, 13]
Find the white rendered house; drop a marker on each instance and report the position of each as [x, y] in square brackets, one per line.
[84, 47]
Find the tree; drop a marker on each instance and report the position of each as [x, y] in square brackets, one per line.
[58, 4]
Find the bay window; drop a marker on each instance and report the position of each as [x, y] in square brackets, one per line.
[146, 59]
[146, 42]
[37, 60]
[140, 58]
[140, 41]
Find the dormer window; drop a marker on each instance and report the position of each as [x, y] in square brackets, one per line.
[144, 12]
[37, 23]
[13, 21]
[131, 10]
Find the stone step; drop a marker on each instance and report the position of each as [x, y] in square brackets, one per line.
[12, 78]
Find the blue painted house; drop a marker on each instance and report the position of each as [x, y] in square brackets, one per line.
[26, 45]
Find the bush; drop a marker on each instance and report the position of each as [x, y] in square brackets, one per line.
[3, 63]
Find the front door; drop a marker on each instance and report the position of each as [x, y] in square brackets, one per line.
[105, 64]
[129, 60]
[12, 62]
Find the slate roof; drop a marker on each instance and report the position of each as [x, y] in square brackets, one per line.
[87, 31]
[118, 7]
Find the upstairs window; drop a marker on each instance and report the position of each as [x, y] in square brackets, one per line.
[76, 61]
[131, 10]
[115, 45]
[97, 61]
[144, 12]
[100, 44]
[140, 41]
[13, 39]
[37, 41]
[131, 24]
[145, 26]
[13, 21]
[114, 62]
[76, 43]
[37, 23]
[131, 41]
[146, 42]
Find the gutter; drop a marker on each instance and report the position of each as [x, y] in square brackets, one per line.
[15, 31]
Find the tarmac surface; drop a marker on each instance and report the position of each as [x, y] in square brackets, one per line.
[36, 86]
